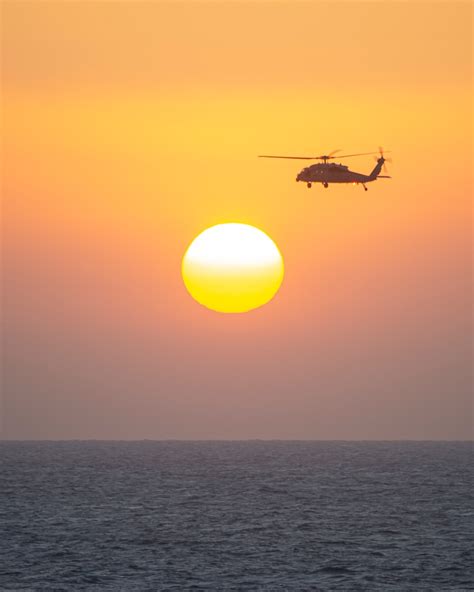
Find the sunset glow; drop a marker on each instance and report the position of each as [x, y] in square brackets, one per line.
[129, 128]
[232, 268]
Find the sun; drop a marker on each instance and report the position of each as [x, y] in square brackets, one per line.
[232, 268]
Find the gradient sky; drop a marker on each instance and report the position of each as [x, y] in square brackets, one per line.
[129, 127]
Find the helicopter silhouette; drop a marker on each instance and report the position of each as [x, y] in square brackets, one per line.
[327, 172]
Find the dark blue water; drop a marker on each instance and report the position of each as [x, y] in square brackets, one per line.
[178, 516]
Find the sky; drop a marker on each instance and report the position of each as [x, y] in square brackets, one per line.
[130, 127]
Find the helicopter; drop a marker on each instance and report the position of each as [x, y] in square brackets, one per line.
[327, 172]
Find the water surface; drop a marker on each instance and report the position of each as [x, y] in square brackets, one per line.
[179, 516]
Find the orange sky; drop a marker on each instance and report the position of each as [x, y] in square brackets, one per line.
[130, 127]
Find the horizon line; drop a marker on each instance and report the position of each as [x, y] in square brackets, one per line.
[184, 440]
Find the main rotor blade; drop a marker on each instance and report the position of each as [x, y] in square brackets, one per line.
[334, 152]
[292, 157]
[359, 154]
[323, 157]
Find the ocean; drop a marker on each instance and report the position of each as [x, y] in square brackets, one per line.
[236, 515]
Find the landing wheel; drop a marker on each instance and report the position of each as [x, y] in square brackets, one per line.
[308, 185]
[325, 185]
[365, 188]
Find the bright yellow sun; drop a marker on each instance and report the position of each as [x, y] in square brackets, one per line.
[232, 268]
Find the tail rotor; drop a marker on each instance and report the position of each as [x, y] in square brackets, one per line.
[382, 159]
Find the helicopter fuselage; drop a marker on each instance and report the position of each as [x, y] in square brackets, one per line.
[332, 173]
